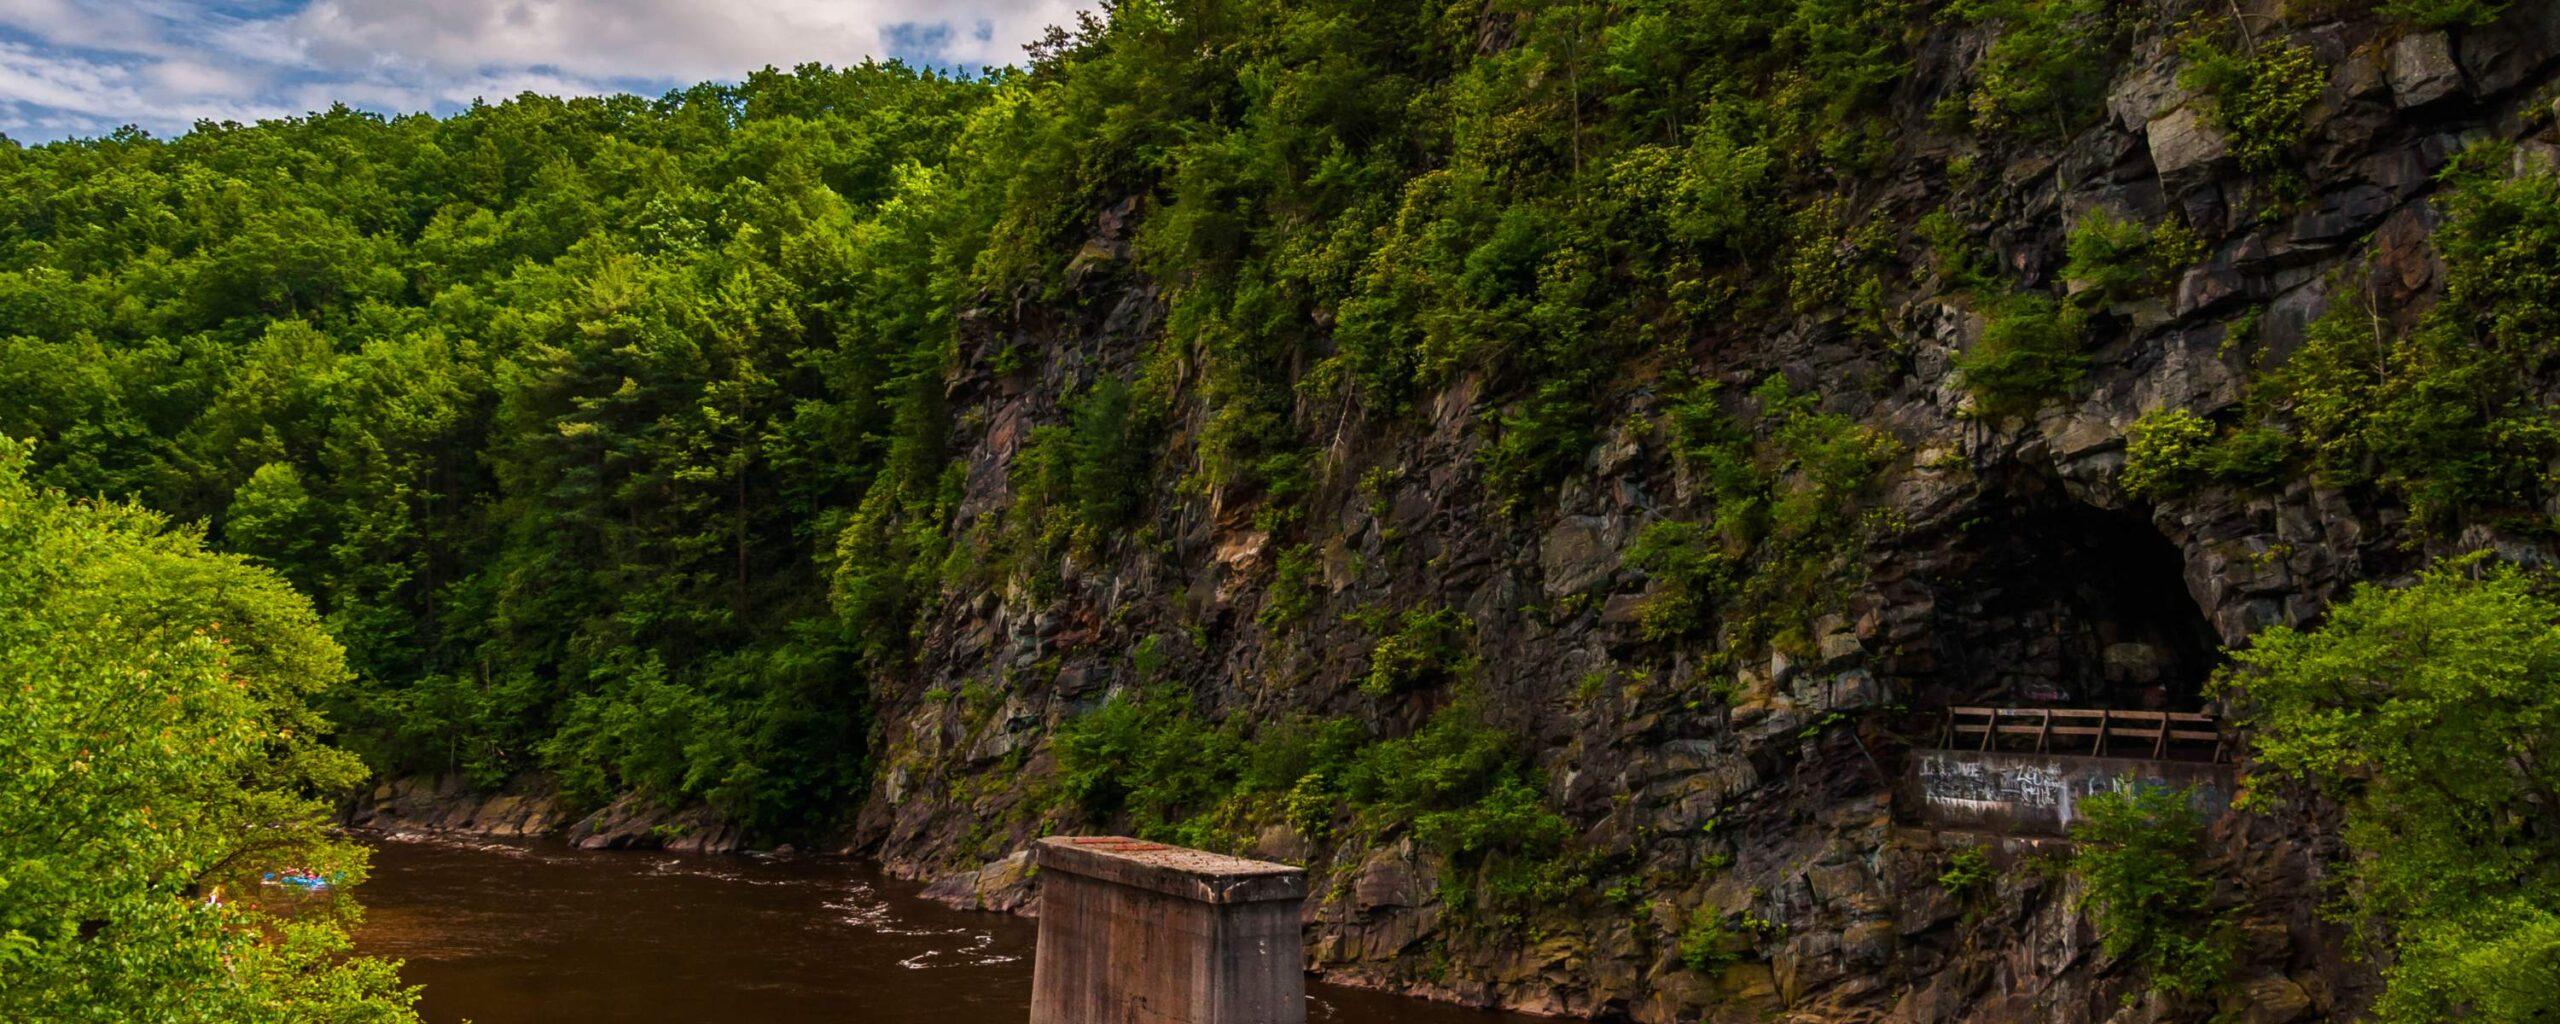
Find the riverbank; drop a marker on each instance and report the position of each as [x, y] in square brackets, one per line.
[530, 808]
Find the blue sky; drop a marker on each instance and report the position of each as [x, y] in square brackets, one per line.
[85, 67]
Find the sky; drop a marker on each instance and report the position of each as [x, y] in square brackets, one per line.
[86, 67]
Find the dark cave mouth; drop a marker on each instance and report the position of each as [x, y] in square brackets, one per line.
[2055, 603]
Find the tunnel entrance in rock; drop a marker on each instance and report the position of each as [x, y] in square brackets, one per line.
[2057, 603]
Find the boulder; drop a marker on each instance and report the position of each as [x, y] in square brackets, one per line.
[2422, 70]
[2184, 146]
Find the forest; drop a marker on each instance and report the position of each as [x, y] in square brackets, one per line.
[611, 440]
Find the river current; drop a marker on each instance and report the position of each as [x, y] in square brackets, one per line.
[518, 933]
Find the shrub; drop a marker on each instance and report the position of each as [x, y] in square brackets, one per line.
[1968, 871]
[2166, 452]
[1537, 442]
[1958, 261]
[1467, 792]
[1111, 448]
[1293, 587]
[1145, 755]
[2137, 859]
[2260, 98]
[2171, 451]
[1832, 260]
[2121, 259]
[1428, 647]
[1708, 944]
[1785, 501]
[2028, 355]
[2445, 416]
[1688, 571]
[2048, 68]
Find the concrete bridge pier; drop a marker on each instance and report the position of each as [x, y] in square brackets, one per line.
[1133, 932]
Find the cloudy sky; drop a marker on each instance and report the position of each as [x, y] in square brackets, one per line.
[84, 67]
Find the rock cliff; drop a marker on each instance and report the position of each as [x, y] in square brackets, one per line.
[2008, 562]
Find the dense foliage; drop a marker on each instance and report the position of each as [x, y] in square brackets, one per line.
[158, 753]
[2138, 857]
[2430, 712]
[553, 408]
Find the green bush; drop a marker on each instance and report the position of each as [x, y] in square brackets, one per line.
[1429, 647]
[2028, 356]
[2049, 66]
[2170, 452]
[1708, 944]
[1148, 763]
[2260, 99]
[2427, 712]
[1293, 587]
[2167, 452]
[1968, 872]
[1145, 755]
[1538, 442]
[2138, 859]
[1689, 572]
[1953, 253]
[2120, 259]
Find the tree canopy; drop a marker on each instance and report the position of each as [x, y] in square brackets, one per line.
[157, 750]
[2432, 712]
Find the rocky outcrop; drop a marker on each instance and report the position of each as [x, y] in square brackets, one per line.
[528, 808]
[2018, 568]
[449, 803]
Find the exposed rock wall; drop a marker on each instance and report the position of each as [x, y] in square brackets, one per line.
[2020, 562]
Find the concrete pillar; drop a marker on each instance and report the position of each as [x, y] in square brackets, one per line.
[1135, 932]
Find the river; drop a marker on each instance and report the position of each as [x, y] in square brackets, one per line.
[516, 933]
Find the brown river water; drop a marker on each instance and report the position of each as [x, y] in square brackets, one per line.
[516, 933]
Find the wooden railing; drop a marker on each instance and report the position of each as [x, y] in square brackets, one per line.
[2100, 732]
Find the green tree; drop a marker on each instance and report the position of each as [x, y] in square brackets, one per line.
[2429, 712]
[158, 749]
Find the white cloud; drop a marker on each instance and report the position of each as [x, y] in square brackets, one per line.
[70, 68]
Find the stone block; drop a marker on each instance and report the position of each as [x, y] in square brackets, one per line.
[1134, 932]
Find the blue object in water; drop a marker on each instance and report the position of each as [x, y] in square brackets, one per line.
[297, 880]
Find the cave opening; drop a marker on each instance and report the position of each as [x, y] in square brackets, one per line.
[2055, 603]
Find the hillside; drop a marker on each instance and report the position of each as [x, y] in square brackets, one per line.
[1540, 465]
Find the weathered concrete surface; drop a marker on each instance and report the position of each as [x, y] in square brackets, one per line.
[2036, 794]
[1134, 932]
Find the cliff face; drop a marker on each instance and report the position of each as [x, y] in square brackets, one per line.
[2006, 561]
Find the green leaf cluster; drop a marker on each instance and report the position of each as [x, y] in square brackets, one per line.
[2171, 451]
[2429, 711]
[2138, 860]
[159, 752]
[2028, 356]
[2261, 97]
[2119, 259]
